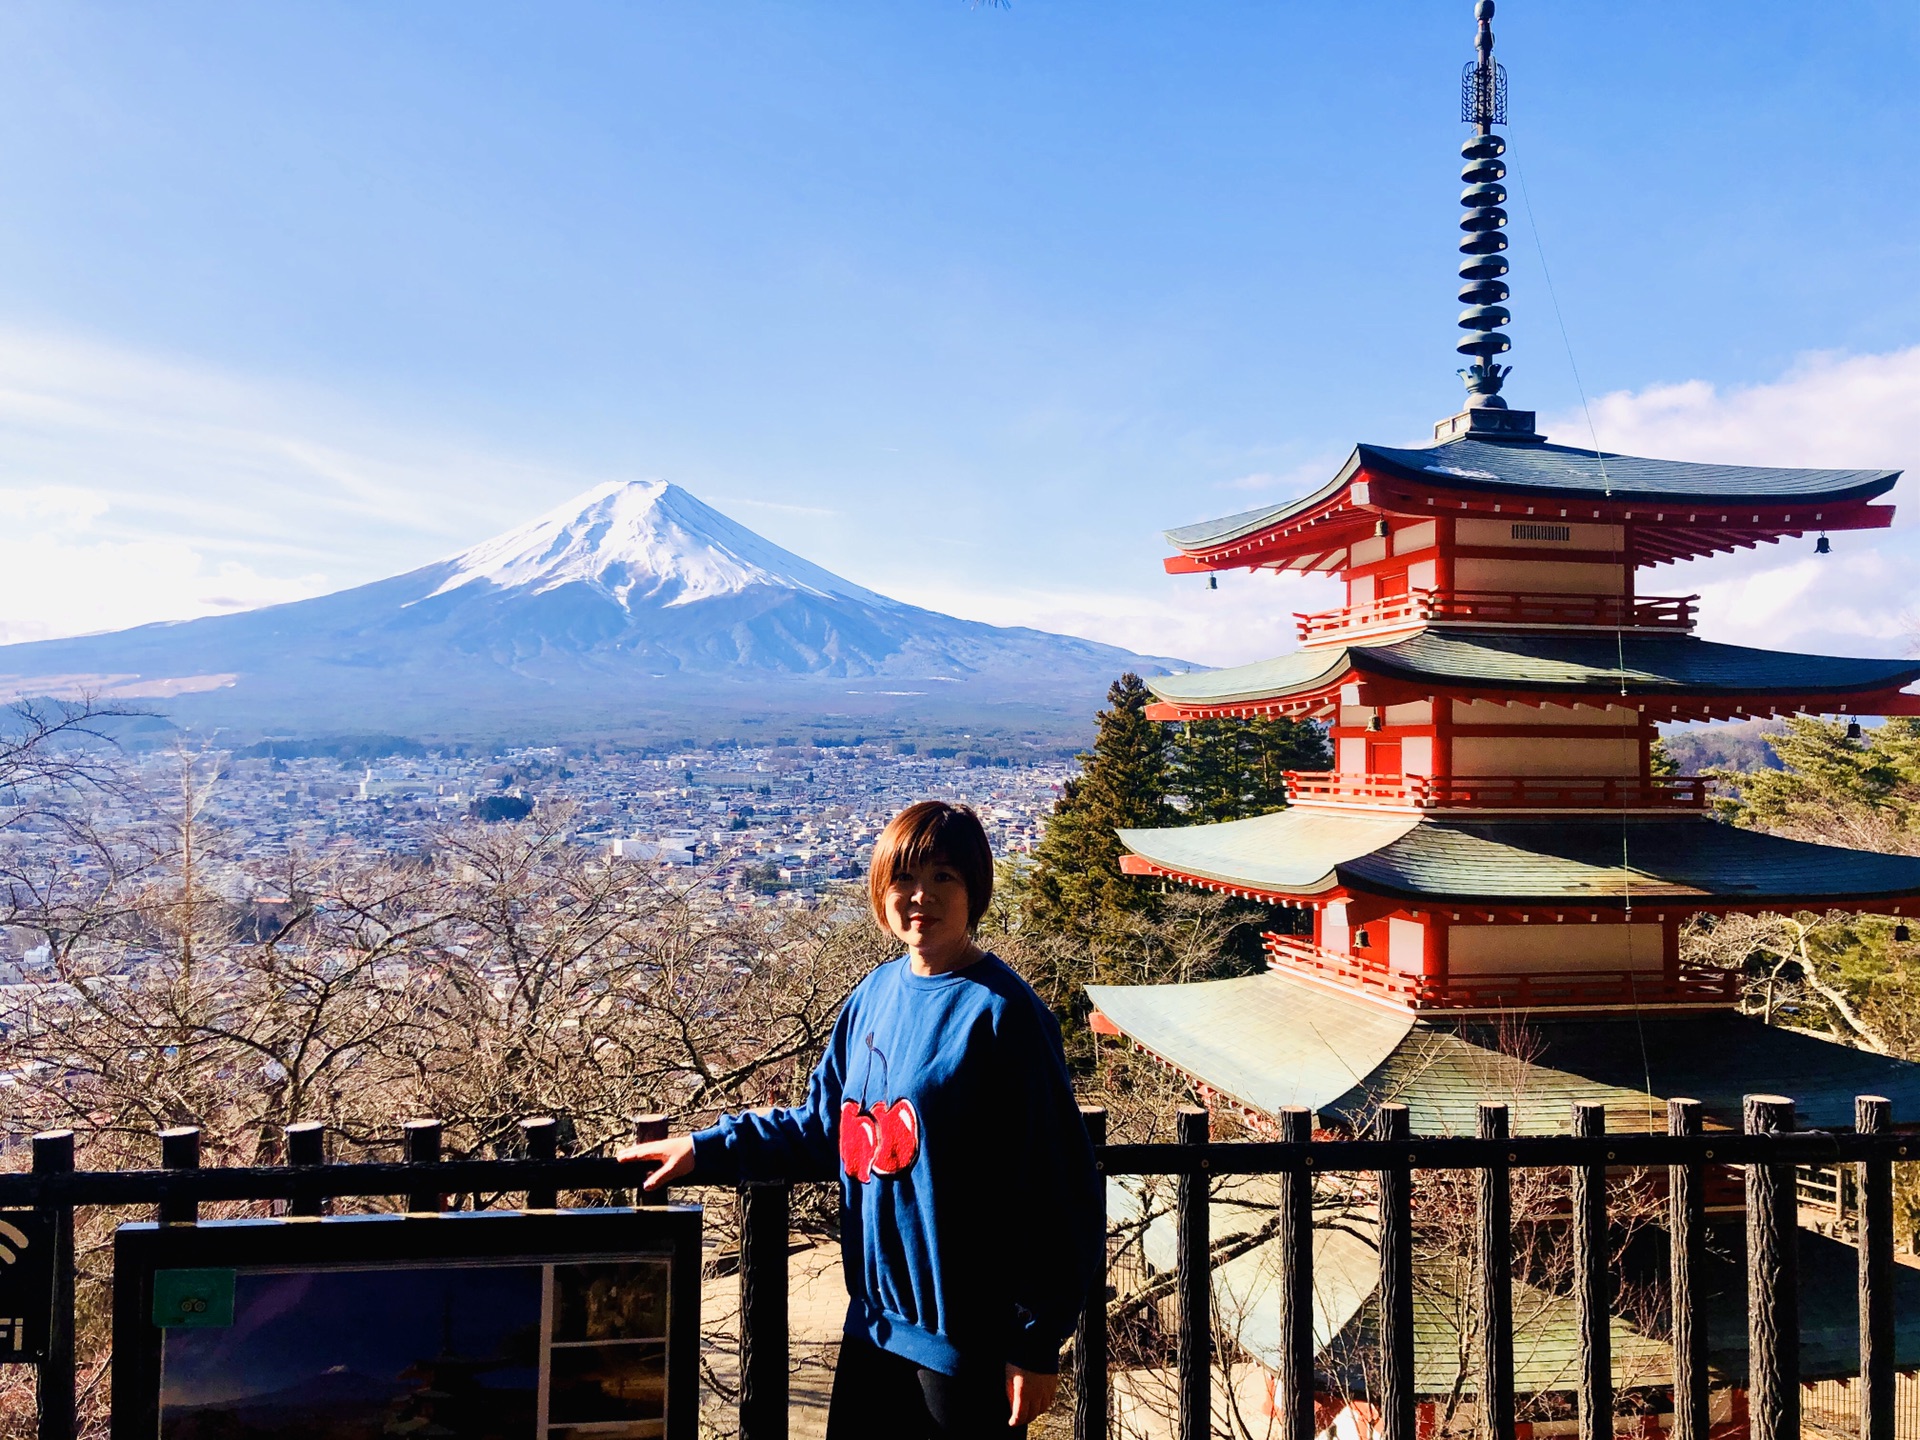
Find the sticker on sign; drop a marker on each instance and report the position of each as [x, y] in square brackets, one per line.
[26, 1285]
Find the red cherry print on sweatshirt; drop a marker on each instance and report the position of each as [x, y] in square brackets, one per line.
[884, 1140]
[899, 1127]
[859, 1138]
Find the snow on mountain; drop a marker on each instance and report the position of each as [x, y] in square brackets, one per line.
[634, 607]
[643, 540]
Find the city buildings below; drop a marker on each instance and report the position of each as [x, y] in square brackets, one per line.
[748, 827]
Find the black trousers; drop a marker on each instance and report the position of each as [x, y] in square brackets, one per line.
[878, 1396]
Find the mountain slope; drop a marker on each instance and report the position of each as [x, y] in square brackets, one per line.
[635, 606]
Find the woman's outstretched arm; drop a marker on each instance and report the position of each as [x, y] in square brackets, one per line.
[794, 1143]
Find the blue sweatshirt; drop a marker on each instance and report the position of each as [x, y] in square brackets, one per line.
[968, 1219]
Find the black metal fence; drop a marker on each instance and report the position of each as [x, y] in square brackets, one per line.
[1769, 1149]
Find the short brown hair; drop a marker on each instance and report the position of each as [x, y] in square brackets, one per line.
[929, 831]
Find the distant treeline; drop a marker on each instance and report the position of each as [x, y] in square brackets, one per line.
[345, 747]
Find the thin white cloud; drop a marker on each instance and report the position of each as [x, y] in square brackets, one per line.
[60, 577]
[137, 488]
[1828, 411]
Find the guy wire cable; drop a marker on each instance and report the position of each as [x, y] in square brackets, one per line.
[1619, 629]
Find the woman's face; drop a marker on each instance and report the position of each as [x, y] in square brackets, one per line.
[926, 909]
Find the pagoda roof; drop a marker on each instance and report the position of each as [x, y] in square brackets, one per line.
[1271, 1040]
[1637, 662]
[1673, 509]
[1555, 472]
[1546, 1329]
[1298, 851]
[1346, 1274]
[1307, 851]
[1540, 468]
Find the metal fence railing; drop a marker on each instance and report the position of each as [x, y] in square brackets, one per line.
[1768, 1150]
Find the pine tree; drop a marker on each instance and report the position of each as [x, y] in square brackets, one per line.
[1230, 769]
[1830, 781]
[1075, 886]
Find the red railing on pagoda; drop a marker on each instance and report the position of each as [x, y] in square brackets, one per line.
[1293, 955]
[1694, 985]
[1495, 607]
[1500, 792]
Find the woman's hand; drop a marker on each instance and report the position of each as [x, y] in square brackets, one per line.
[1029, 1394]
[672, 1156]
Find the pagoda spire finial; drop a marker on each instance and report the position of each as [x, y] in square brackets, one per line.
[1483, 105]
[1483, 243]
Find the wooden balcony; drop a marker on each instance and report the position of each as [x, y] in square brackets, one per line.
[1543, 990]
[1499, 792]
[1491, 607]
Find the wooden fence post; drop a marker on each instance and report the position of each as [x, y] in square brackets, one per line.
[1196, 1283]
[1090, 1339]
[1294, 1383]
[1873, 1115]
[422, 1148]
[763, 1310]
[53, 1155]
[1686, 1232]
[1590, 1281]
[541, 1134]
[306, 1146]
[1773, 1310]
[180, 1150]
[1496, 1280]
[1396, 1283]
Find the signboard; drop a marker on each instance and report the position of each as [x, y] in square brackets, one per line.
[26, 1285]
[568, 1325]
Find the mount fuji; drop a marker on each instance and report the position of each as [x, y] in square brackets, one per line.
[635, 607]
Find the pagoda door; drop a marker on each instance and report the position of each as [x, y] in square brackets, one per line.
[1383, 757]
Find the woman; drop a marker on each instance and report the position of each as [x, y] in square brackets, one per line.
[968, 1216]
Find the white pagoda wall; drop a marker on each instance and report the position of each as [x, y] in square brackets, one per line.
[1498, 712]
[1547, 755]
[1542, 949]
[1539, 577]
[1533, 570]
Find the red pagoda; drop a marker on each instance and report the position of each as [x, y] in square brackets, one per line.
[1495, 839]
[1496, 872]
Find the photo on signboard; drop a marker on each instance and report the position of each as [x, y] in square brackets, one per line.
[311, 1332]
[477, 1351]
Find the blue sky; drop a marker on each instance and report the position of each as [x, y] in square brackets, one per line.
[964, 303]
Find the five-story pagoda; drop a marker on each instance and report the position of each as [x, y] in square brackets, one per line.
[1495, 838]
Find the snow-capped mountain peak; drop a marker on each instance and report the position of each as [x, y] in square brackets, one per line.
[643, 541]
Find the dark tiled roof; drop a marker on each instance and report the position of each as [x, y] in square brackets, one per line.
[1546, 1334]
[1598, 861]
[1641, 663]
[1569, 470]
[1346, 1273]
[1606, 861]
[1829, 1283]
[1271, 1040]
[1646, 664]
[1565, 471]
[1633, 1065]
